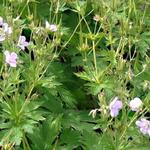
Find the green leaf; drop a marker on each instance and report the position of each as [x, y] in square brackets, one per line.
[71, 138]
[44, 135]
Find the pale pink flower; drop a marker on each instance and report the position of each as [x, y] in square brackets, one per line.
[5, 30]
[11, 58]
[144, 126]
[115, 106]
[22, 43]
[51, 27]
[135, 104]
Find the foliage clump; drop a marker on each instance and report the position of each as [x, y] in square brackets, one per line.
[74, 74]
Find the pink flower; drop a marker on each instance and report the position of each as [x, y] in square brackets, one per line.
[144, 126]
[51, 27]
[135, 104]
[5, 30]
[11, 58]
[115, 106]
[22, 43]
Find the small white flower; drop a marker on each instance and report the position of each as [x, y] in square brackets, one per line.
[135, 104]
[96, 18]
[51, 27]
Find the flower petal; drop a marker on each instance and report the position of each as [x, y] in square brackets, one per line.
[47, 25]
[13, 64]
[13, 55]
[114, 112]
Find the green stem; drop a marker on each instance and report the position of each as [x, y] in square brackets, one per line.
[129, 124]
[27, 147]
[81, 38]
[94, 56]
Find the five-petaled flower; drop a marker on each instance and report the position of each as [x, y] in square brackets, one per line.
[11, 58]
[135, 104]
[144, 126]
[22, 43]
[51, 27]
[115, 106]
